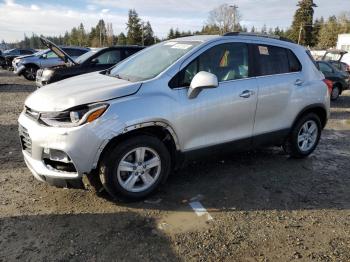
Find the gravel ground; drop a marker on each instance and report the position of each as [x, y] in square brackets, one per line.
[265, 206]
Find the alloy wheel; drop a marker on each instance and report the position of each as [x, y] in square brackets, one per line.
[307, 135]
[139, 169]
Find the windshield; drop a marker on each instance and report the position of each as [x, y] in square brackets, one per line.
[86, 56]
[152, 61]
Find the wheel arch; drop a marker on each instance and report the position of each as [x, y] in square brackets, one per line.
[161, 130]
[319, 109]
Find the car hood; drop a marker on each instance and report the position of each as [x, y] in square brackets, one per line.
[80, 90]
[57, 50]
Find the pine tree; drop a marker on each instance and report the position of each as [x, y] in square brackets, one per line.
[302, 25]
[122, 39]
[148, 34]
[328, 35]
[171, 34]
[134, 35]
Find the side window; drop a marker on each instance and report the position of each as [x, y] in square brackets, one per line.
[74, 52]
[109, 57]
[325, 68]
[226, 61]
[14, 52]
[51, 55]
[26, 52]
[131, 51]
[294, 63]
[273, 60]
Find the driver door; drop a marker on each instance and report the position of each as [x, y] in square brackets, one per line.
[223, 114]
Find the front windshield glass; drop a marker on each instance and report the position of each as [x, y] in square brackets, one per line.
[86, 56]
[152, 61]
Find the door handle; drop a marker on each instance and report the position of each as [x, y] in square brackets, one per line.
[246, 93]
[299, 82]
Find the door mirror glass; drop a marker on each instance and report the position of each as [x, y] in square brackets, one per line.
[201, 81]
[95, 61]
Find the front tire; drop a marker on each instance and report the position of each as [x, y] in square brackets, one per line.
[304, 136]
[134, 168]
[30, 73]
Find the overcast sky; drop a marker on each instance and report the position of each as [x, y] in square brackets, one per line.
[19, 17]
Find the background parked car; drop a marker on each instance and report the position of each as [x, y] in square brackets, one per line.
[340, 79]
[94, 60]
[13, 53]
[29, 65]
[336, 57]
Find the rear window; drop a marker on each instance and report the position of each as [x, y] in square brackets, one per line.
[276, 60]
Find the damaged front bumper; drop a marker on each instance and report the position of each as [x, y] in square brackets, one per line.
[63, 154]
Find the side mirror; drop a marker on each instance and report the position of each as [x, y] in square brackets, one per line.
[201, 81]
[94, 61]
[44, 56]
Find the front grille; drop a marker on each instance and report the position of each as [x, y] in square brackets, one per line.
[25, 139]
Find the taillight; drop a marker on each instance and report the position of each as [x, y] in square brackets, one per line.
[329, 84]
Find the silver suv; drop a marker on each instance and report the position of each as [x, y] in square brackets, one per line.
[126, 128]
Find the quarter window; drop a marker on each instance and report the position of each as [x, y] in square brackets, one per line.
[294, 63]
[226, 61]
[273, 60]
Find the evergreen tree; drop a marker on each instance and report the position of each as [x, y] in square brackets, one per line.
[328, 34]
[134, 35]
[148, 34]
[171, 34]
[303, 22]
[122, 39]
[177, 33]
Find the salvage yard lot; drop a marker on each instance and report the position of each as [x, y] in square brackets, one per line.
[265, 206]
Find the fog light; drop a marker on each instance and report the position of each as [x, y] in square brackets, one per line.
[57, 155]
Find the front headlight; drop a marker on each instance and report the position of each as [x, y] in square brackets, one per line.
[47, 73]
[75, 116]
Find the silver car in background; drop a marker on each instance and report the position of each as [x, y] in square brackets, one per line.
[126, 128]
[28, 65]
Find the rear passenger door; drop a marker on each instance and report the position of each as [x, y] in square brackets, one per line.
[279, 76]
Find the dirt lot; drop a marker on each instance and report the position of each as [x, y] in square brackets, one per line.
[265, 206]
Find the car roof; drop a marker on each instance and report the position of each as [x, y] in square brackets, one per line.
[273, 39]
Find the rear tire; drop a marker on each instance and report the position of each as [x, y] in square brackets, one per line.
[304, 136]
[30, 73]
[335, 92]
[134, 168]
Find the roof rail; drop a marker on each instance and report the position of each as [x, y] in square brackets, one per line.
[259, 35]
